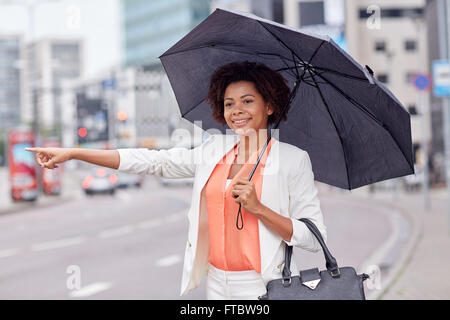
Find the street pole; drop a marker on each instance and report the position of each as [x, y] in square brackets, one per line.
[444, 50]
[426, 180]
[421, 104]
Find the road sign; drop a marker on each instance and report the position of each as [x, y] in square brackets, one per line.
[109, 84]
[441, 78]
[422, 81]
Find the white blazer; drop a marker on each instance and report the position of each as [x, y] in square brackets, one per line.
[288, 189]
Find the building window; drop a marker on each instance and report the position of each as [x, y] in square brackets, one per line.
[393, 12]
[311, 13]
[383, 77]
[380, 46]
[410, 45]
[278, 8]
[412, 110]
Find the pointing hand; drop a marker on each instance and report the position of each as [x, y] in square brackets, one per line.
[49, 157]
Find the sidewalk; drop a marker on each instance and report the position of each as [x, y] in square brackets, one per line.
[421, 265]
[70, 189]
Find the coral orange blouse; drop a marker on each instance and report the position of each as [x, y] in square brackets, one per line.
[232, 249]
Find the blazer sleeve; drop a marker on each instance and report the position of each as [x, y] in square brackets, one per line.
[171, 163]
[304, 203]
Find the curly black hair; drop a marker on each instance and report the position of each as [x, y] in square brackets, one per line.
[269, 83]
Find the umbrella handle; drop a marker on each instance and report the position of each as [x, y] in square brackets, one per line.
[239, 216]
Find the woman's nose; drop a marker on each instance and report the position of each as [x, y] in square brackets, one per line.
[237, 109]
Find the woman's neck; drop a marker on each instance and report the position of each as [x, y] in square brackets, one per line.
[248, 144]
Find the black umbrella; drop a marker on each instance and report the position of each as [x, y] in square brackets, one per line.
[353, 128]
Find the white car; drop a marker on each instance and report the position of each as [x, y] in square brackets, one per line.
[100, 180]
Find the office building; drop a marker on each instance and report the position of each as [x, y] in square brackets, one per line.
[12, 70]
[50, 61]
[391, 38]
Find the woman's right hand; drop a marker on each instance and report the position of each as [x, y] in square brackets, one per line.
[49, 157]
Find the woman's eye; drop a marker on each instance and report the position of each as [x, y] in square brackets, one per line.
[227, 104]
[248, 101]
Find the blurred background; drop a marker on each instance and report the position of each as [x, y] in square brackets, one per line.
[86, 73]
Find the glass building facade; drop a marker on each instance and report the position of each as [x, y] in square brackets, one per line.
[150, 27]
[10, 82]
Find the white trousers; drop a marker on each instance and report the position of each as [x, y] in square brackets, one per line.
[233, 285]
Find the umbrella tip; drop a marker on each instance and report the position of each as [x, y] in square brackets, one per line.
[369, 69]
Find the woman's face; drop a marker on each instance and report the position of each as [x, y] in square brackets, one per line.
[243, 102]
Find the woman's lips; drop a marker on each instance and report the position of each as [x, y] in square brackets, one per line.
[241, 124]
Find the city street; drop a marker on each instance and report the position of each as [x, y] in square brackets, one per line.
[131, 245]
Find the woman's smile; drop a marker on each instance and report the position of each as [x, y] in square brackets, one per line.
[241, 123]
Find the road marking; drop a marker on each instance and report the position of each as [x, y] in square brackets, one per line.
[150, 223]
[57, 244]
[168, 261]
[9, 252]
[116, 232]
[174, 217]
[90, 290]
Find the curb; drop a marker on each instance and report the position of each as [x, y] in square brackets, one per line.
[19, 207]
[381, 256]
[44, 200]
[407, 252]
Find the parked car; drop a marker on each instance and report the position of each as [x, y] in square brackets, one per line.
[100, 180]
[126, 180]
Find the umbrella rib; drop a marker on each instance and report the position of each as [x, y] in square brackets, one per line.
[292, 51]
[351, 100]
[333, 71]
[289, 69]
[335, 127]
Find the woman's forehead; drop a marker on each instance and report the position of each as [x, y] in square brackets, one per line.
[240, 88]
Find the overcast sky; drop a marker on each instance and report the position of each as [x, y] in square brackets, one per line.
[97, 21]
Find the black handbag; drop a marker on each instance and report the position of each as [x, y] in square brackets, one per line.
[334, 283]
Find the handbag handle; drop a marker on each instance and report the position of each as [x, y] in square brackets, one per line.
[331, 263]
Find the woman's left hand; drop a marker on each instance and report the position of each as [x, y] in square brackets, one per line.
[246, 192]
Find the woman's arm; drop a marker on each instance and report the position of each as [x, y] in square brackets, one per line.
[104, 158]
[50, 157]
[276, 222]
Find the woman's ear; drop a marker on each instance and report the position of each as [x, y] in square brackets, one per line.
[269, 110]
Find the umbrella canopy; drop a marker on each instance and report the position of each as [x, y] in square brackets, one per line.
[354, 129]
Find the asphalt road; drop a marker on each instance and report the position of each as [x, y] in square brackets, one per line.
[131, 245]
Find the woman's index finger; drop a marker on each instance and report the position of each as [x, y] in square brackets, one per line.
[33, 149]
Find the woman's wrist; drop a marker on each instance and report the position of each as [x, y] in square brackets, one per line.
[73, 153]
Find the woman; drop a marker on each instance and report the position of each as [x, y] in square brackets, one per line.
[238, 262]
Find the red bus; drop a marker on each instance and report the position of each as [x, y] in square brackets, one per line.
[22, 165]
[51, 178]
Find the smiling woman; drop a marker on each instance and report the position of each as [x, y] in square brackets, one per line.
[270, 86]
[237, 231]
